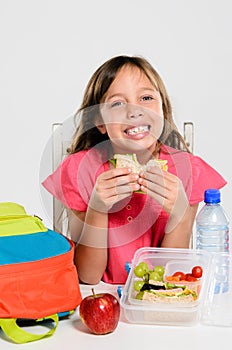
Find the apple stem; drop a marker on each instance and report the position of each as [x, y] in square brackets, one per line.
[93, 291]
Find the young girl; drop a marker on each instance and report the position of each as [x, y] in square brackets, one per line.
[113, 211]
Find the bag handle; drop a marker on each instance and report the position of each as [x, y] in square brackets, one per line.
[19, 335]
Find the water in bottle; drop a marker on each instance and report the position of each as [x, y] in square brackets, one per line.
[212, 226]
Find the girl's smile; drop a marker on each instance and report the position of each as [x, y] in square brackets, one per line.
[137, 132]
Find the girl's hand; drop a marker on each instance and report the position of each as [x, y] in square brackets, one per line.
[167, 189]
[111, 187]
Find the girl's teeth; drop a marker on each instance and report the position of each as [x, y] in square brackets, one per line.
[137, 130]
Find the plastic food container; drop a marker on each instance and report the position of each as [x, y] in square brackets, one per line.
[163, 313]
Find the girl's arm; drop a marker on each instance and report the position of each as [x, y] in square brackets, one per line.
[91, 249]
[91, 253]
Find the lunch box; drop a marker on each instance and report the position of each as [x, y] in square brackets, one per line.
[213, 305]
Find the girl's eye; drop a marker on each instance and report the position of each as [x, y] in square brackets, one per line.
[147, 98]
[116, 104]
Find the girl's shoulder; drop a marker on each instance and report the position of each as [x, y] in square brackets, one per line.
[90, 155]
[75, 156]
[175, 156]
[196, 174]
[85, 163]
[197, 164]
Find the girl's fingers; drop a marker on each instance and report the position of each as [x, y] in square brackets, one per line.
[163, 187]
[158, 178]
[127, 189]
[112, 173]
[110, 190]
[117, 181]
[152, 183]
[116, 191]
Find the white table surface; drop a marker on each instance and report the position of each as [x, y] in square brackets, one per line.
[72, 334]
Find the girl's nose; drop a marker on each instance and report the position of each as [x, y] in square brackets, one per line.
[134, 112]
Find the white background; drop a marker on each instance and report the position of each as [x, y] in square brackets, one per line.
[50, 48]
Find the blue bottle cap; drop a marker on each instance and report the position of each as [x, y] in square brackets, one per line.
[212, 195]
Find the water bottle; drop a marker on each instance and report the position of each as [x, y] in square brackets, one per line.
[212, 224]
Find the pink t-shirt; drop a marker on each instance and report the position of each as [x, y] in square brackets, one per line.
[138, 221]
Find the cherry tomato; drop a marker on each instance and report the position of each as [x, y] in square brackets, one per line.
[190, 278]
[179, 274]
[197, 271]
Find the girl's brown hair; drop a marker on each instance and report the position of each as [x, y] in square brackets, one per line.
[87, 134]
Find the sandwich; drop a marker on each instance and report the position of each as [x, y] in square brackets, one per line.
[130, 161]
[166, 293]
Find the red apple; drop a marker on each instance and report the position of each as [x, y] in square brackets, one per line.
[100, 312]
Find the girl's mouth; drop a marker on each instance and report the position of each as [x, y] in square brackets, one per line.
[141, 129]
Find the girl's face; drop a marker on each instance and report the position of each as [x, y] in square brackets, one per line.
[132, 112]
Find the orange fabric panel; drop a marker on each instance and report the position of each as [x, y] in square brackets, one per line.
[41, 288]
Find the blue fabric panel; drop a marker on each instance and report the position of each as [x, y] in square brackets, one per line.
[31, 247]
